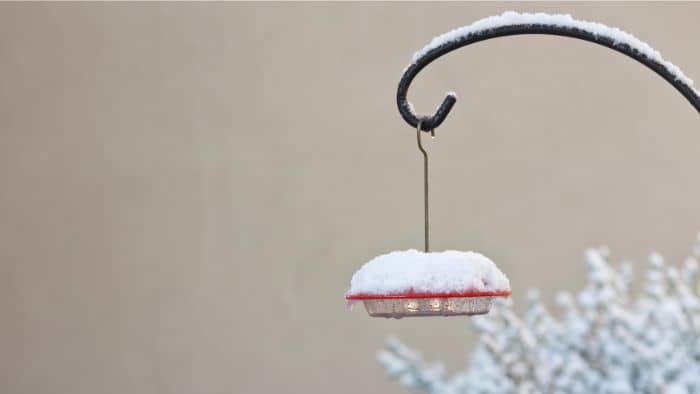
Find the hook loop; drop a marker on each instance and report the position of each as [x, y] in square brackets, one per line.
[666, 70]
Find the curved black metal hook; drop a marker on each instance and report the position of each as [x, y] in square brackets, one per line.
[432, 122]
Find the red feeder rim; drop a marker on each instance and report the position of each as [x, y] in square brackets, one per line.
[414, 295]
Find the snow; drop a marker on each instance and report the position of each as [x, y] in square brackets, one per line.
[514, 18]
[434, 272]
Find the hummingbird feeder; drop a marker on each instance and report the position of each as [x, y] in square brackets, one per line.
[414, 283]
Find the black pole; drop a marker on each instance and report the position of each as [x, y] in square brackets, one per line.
[431, 122]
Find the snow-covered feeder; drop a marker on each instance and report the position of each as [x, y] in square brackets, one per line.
[414, 283]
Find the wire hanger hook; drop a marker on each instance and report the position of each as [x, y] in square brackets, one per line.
[426, 213]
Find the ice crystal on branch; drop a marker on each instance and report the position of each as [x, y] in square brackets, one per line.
[602, 340]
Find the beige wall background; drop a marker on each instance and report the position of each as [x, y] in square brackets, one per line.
[186, 189]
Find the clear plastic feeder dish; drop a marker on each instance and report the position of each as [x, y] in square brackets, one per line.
[427, 304]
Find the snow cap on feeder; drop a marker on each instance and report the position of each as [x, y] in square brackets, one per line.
[414, 283]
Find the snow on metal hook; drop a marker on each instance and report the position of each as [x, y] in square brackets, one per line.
[512, 23]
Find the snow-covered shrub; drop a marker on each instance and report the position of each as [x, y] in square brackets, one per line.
[602, 341]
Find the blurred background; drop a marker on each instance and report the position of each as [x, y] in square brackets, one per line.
[187, 189]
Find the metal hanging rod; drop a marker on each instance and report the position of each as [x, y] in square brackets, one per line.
[432, 122]
[426, 215]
